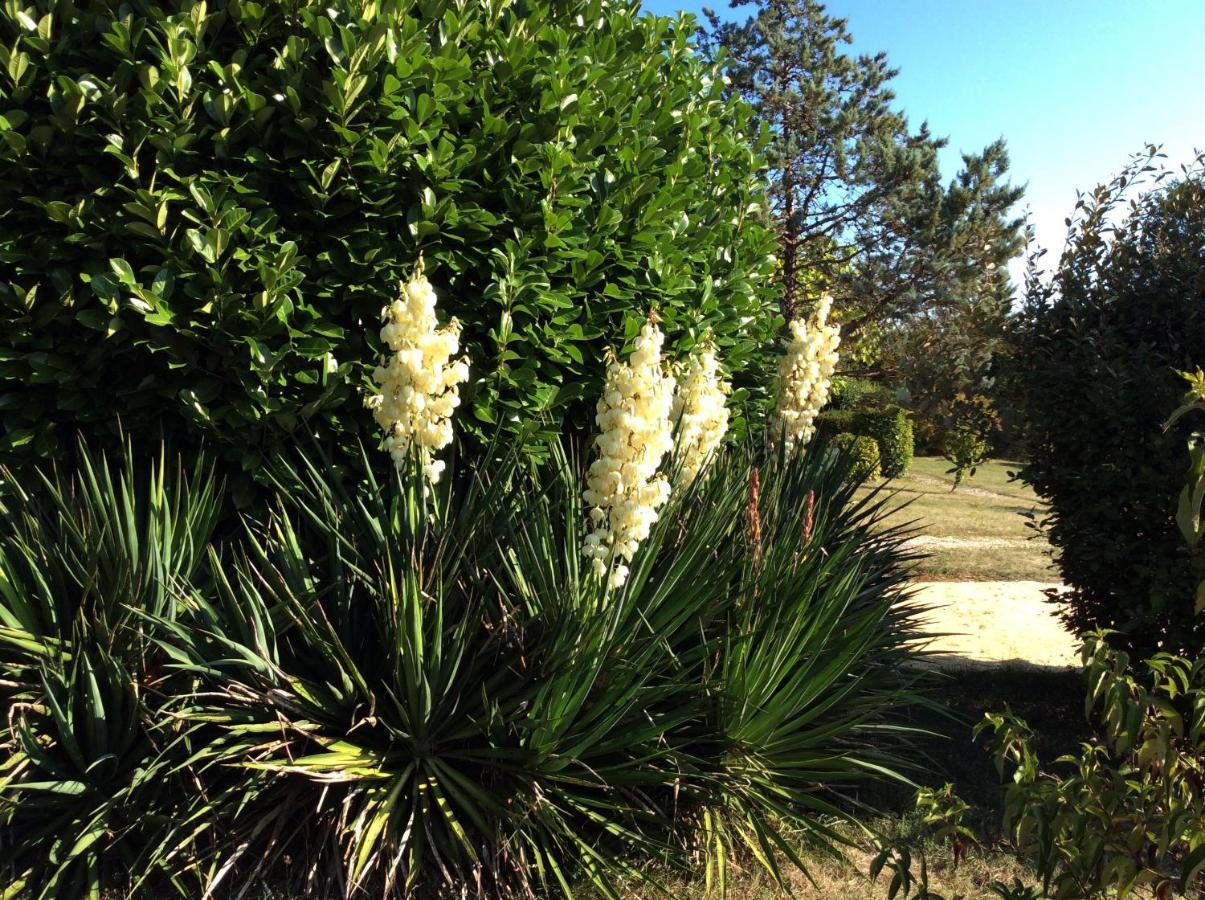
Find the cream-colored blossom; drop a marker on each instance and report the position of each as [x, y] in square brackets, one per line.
[624, 490]
[804, 373]
[699, 412]
[418, 380]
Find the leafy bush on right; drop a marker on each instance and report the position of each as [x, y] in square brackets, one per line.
[1099, 348]
[1123, 816]
[1125, 813]
[1129, 811]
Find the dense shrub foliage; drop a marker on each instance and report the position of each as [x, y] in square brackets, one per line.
[891, 427]
[207, 205]
[1121, 816]
[1127, 814]
[848, 393]
[411, 691]
[1099, 348]
[832, 422]
[861, 455]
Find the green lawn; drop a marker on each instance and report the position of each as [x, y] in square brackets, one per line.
[979, 532]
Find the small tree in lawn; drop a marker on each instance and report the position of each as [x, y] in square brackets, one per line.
[970, 423]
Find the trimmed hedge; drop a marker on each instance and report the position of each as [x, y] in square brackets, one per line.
[849, 393]
[206, 206]
[861, 454]
[892, 430]
[832, 422]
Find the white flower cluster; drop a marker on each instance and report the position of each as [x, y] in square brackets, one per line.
[804, 373]
[699, 412]
[623, 487]
[419, 382]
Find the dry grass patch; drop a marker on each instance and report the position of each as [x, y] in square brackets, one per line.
[980, 532]
[848, 879]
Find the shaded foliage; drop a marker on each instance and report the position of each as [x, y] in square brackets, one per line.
[387, 688]
[1128, 811]
[91, 790]
[1099, 346]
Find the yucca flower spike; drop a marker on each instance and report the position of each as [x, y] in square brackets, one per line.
[699, 411]
[418, 380]
[805, 372]
[624, 489]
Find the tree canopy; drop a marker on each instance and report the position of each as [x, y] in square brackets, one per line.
[857, 193]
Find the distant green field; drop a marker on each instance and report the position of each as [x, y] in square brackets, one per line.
[980, 532]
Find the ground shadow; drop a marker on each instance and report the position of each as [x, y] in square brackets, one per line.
[1049, 698]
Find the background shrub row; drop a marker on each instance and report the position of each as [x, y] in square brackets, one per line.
[862, 455]
[891, 427]
[848, 393]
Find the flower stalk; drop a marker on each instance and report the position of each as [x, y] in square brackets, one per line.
[418, 381]
[804, 374]
[699, 412]
[624, 488]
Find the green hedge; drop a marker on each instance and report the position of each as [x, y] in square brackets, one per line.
[1095, 374]
[862, 455]
[849, 393]
[206, 206]
[892, 429]
[832, 422]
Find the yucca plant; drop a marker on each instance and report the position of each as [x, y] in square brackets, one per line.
[415, 692]
[412, 694]
[813, 657]
[89, 795]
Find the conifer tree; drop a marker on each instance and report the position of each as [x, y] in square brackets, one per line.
[857, 195]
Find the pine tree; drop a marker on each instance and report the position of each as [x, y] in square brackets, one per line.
[839, 149]
[857, 195]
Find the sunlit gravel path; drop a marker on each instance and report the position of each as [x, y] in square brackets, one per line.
[982, 622]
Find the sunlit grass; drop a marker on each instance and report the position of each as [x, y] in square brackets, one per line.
[980, 532]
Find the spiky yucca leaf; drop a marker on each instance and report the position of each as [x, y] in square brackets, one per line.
[408, 705]
[88, 798]
[419, 692]
[813, 660]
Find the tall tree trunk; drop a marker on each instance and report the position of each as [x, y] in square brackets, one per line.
[789, 242]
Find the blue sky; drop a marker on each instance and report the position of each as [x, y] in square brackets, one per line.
[1073, 86]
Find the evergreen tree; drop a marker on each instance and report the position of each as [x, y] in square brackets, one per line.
[941, 290]
[858, 196]
[838, 150]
